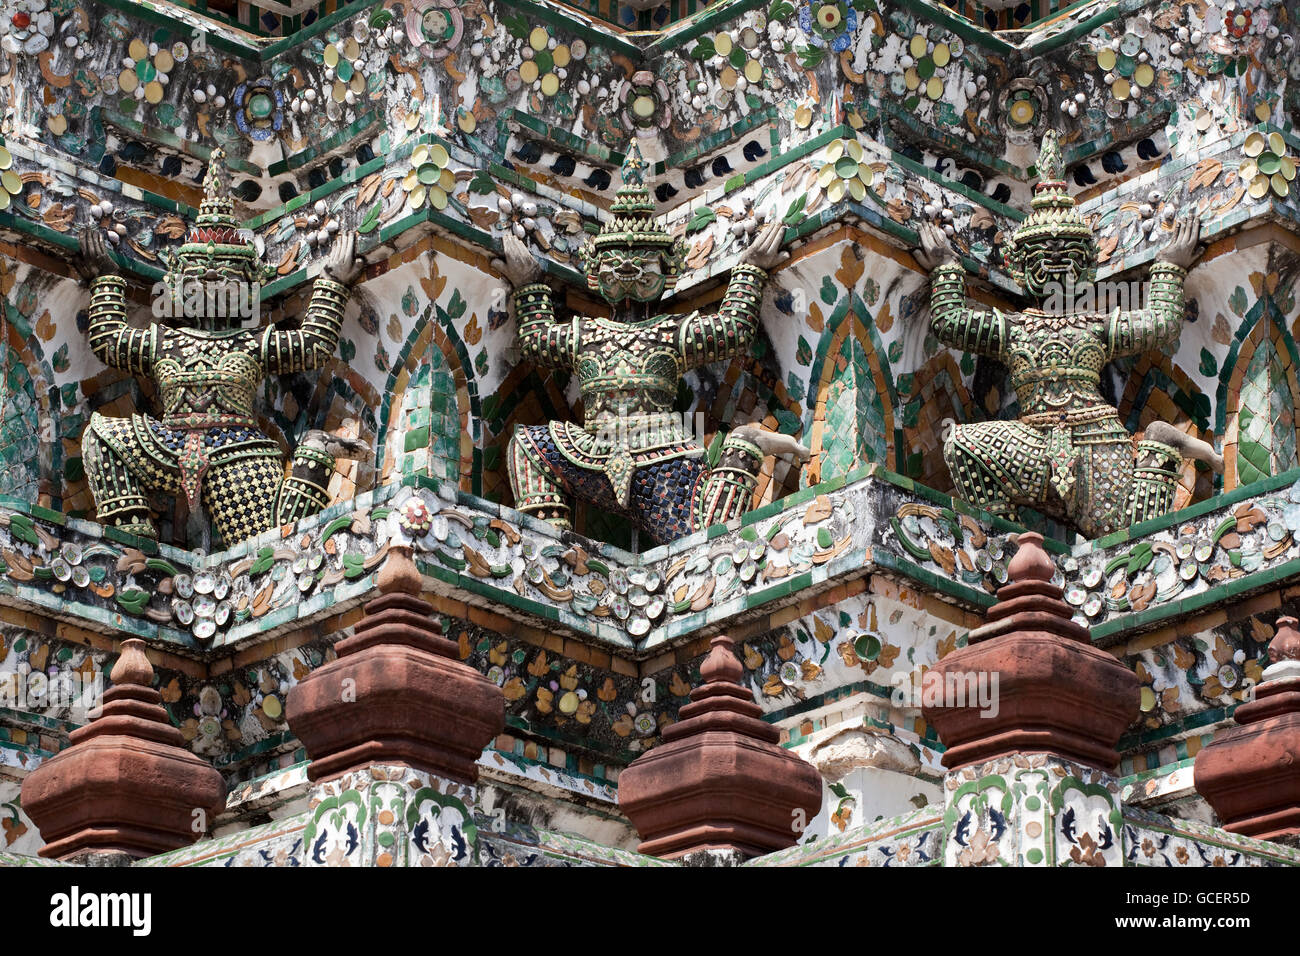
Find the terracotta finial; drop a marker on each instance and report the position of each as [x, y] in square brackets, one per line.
[125, 784]
[132, 665]
[411, 700]
[720, 778]
[1285, 645]
[1250, 773]
[1031, 562]
[1057, 693]
[722, 663]
[398, 574]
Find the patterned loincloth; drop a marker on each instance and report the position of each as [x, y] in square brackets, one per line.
[661, 487]
[173, 456]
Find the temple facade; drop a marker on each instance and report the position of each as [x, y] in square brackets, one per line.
[764, 433]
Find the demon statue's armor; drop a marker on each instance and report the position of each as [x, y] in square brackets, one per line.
[632, 455]
[207, 369]
[1068, 456]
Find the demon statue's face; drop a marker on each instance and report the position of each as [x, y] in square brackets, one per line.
[630, 273]
[1056, 261]
[214, 279]
[212, 290]
[1053, 246]
[633, 258]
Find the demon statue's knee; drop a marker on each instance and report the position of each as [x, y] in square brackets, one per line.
[729, 489]
[1156, 470]
[972, 481]
[1186, 445]
[305, 490]
[536, 489]
[772, 443]
[119, 498]
[1155, 479]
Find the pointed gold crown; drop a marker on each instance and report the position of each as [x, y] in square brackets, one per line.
[633, 224]
[218, 206]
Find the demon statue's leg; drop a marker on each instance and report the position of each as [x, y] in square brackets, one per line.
[1104, 481]
[535, 479]
[305, 490]
[997, 465]
[1155, 479]
[126, 460]
[1156, 471]
[120, 496]
[247, 496]
[728, 490]
[239, 496]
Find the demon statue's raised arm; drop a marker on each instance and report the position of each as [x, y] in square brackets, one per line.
[207, 368]
[632, 455]
[1068, 455]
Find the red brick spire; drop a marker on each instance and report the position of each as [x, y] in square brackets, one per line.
[398, 693]
[1048, 690]
[1250, 774]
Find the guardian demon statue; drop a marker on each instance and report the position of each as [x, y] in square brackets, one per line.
[632, 454]
[207, 369]
[1068, 456]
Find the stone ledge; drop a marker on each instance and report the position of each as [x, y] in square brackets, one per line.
[486, 556]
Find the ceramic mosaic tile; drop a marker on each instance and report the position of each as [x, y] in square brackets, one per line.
[430, 131]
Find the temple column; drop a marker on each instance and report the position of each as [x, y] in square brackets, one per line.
[1030, 713]
[394, 728]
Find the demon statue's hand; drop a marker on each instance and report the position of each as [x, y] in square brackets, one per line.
[92, 259]
[935, 248]
[520, 267]
[765, 251]
[773, 443]
[343, 265]
[337, 446]
[1182, 249]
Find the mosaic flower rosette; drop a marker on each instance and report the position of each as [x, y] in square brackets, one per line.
[435, 27]
[259, 109]
[27, 26]
[829, 23]
[1268, 168]
[644, 104]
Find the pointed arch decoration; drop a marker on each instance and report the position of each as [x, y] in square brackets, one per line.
[31, 452]
[852, 398]
[429, 419]
[1258, 397]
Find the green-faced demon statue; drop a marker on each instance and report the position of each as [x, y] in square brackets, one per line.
[207, 369]
[632, 455]
[1068, 456]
